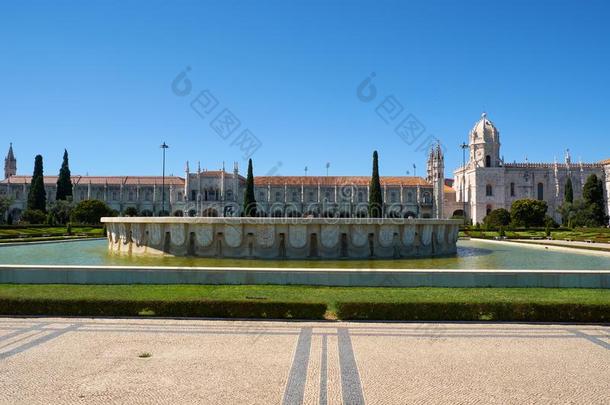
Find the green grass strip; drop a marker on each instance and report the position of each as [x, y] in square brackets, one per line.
[259, 301]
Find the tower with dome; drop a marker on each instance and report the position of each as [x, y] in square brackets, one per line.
[487, 182]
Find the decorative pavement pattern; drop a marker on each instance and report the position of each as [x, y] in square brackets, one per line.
[102, 361]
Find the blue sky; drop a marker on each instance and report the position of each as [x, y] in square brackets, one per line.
[96, 78]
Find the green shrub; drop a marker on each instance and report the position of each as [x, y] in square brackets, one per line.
[34, 217]
[90, 211]
[497, 218]
[130, 212]
[528, 213]
[187, 308]
[492, 311]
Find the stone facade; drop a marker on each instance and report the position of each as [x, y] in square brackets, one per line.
[218, 193]
[276, 238]
[487, 182]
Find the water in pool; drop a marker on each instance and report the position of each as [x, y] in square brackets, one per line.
[471, 254]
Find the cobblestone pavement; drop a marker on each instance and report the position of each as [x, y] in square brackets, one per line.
[97, 361]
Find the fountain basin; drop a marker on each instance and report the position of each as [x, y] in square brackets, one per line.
[282, 238]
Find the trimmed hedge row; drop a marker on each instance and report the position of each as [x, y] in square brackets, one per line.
[190, 308]
[492, 311]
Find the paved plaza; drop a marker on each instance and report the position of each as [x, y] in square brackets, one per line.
[141, 361]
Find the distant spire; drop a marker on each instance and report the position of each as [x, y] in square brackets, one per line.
[10, 163]
[186, 168]
[10, 155]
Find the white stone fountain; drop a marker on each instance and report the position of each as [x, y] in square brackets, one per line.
[282, 238]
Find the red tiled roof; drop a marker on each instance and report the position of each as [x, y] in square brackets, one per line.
[101, 180]
[328, 181]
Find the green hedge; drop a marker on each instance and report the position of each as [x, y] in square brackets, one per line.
[190, 308]
[493, 311]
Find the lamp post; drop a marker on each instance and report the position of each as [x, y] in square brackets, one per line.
[464, 146]
[163, 146]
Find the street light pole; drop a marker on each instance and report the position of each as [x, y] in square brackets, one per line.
[464, 146]
[163, 146]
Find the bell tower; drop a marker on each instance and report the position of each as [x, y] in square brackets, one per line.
[10, 163]
[436, 176]
[484, 143]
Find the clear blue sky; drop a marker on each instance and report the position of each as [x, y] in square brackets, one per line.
[96, 78]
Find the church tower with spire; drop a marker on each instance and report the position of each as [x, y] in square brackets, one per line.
[436, 176]
[10, 163]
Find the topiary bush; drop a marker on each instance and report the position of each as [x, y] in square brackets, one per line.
[186, 308]
[465, 311]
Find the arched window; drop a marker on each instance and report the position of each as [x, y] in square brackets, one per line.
[410, 196]
[512, 189]
[311, 196]
[427, 198]
[487, 161]
[278, 196]
[360, 196]
[489, 190]
[230, 195]
[488, 209]
[540, 191]
[393, 196]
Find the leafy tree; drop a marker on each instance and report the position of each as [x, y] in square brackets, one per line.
[5, 204]
[37, 196]
[593, 196]
[64, 182]
[375, 197]
[528, 213]
[33, 216]
[568, 193]
[497, 218]
[249, 207]
[578, 215]
[90, 211]
[60, 212]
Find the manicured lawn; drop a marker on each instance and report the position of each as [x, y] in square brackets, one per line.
[328, 295]
[32, 233]
[580, 234]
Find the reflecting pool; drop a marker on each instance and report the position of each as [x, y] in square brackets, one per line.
[472, 254]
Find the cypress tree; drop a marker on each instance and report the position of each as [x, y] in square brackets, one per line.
[593, 196]
[64, 182]
[375, 197]
[37, 197]
[249, 199]
[568, 194]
